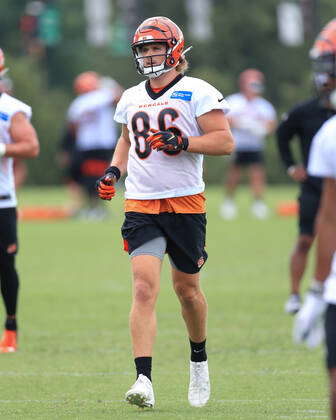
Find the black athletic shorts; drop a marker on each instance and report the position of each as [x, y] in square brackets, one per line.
[87, 166]
[330, 330]
[8, 231]
[185, 235]
[246, 158]
[309, 202]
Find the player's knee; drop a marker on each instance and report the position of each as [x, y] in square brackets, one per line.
[186, 293]
[144, 292]
[303, 246]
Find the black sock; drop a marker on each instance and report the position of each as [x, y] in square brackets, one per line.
[144, 366]
[198, 352]
[11, 324]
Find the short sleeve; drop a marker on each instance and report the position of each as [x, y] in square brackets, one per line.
[208, 98]
[269, 111]
[322, 157]
[15, 106]
[120, 114]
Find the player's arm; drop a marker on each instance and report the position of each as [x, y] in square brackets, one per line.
[120, 156]
[25, 142]
[216, 140]
[326, 230]
[285, 134]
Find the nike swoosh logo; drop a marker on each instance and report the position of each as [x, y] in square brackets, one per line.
[198, 351]
[220, 100]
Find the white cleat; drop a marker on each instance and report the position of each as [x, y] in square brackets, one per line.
[259, 209]
[308, 323]
[228, 210]
[199, 386]
[141, 393]
[293, 304]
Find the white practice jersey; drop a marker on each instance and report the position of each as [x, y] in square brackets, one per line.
[152, 174]
[322, 162]
[92, 113]
[9, 106]
[252, 117]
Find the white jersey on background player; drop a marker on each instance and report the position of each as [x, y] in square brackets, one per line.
[92, 113]
[9, 106]
[252, 116]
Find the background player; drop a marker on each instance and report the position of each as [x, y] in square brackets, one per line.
[18, 139]
[252, 118]
[303, 121]
[90, 139]
[169, 123]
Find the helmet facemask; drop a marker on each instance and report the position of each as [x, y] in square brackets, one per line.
[145, 64]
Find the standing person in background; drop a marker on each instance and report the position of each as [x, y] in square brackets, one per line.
[18, 139]
[303, 122]
[92, 133]
[169, 123]
[251, 118]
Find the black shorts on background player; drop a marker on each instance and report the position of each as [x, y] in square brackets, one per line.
[246, 158]
[309, 202]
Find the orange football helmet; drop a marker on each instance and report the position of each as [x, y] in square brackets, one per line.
[86, 82]
[161, 30]
[323, 53]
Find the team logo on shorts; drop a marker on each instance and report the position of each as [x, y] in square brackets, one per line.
[200, 262]
[11, 249]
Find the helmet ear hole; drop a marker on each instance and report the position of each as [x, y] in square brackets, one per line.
[171, 61]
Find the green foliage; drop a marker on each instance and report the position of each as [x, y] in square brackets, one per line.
[245, 35]
[48, 115]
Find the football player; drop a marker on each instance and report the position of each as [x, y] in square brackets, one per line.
[252, 118]
[168, 123]
[18, 139]
[89, 140]
[303, 121]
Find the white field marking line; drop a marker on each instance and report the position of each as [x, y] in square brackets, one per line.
[65, 401]
[263, 372]
[79, 374]
[271, 400]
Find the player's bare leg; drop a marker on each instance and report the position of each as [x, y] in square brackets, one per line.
[194, 311]
[146, 284]
[298, 262]
[228, 208]
[258, 182]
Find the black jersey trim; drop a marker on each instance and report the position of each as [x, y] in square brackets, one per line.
[156, 95]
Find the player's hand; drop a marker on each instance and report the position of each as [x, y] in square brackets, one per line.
[167, 140]
[105, 184]
[298, 173]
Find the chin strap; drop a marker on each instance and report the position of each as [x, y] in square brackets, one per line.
[186, 50]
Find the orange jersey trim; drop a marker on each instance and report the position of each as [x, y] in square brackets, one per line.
[194, 204]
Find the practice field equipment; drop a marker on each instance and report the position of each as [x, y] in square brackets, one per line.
[287, 209]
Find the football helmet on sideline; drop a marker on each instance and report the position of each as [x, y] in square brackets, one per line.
[323, 57]
[161, 30]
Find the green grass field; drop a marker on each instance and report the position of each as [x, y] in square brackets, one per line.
[75, 362]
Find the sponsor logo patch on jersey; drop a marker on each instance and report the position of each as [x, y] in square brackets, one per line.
[184, 95]
[4, 116]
